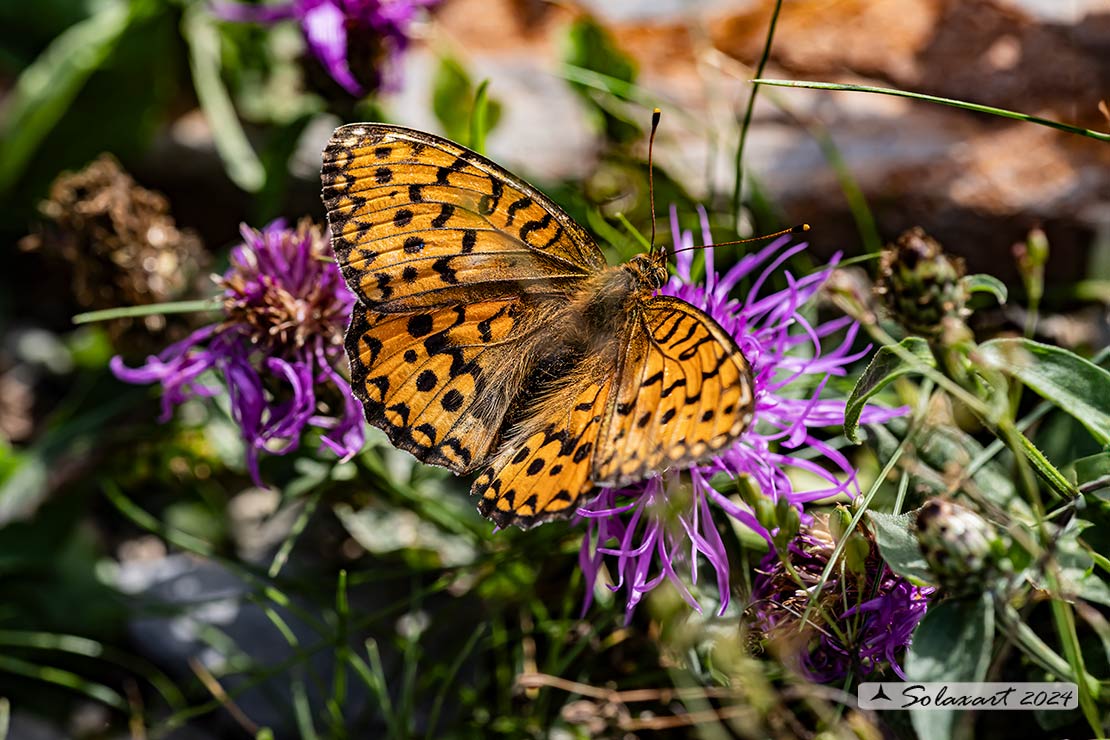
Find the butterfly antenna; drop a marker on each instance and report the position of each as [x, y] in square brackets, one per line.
[799, 229]
[655, 116]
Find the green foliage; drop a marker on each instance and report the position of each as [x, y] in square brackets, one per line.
[466, 113]
[590, 46]
[889, 363]
[1074, 384]
[953, 643]
[899, 548]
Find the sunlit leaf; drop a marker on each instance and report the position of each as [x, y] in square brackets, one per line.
[886, 365]
[898, 546]
[1072, 383]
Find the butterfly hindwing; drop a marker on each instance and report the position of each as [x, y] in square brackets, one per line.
[418, 221]
[543, 470]
[683, 393]
[435, 381]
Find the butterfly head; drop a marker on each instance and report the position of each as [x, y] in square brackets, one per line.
[650, 270]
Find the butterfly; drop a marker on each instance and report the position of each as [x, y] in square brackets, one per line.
[490, 334]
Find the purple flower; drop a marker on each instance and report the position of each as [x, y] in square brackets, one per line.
[356, 41]
[645, 531]
[285, 308]
[863, 618]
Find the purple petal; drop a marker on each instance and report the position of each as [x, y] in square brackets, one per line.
[326, 33]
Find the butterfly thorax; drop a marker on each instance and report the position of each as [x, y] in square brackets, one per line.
[601, 309]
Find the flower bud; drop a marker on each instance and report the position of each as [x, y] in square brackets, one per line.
[957, 543]
[920, 283]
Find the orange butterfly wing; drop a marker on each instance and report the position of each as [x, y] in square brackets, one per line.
[457, 266]
[420, 222]
[463, 274]
[677, 391]
[435, 381]
[684, 393]
[543, 470]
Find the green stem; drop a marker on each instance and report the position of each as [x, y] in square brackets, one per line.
[1039, 652]
[1065, 627]
[153, 309]
[1002, 112]
[737, 189]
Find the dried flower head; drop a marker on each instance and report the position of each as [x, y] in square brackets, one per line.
[284, 310]
[863, 616]
[921, 283]
[118, 239]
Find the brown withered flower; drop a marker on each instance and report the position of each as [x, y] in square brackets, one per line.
[118, 241]
[921, 283]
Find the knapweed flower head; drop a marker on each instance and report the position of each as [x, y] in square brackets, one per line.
[285, 308]
[862, 617]
[646, 531]
[356, 41]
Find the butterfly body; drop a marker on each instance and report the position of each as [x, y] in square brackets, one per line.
[490, 334]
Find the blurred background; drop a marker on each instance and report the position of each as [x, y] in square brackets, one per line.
[138, 564]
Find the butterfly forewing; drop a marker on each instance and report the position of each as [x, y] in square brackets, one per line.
[683, 393]
[418, 221]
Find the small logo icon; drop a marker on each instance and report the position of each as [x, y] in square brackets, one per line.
[880, 694]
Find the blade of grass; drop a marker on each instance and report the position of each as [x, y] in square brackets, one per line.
[644, 243]
[204, 549]
[243, 165]
[342, 648]
[48, 86]
[65, 679]
[295, 531]
[380, 686]
[299, 656]
[1064, 618]
[449, 679]
[154, 309]
[5, 717]
[853, 194]
[302, 710]
[738, 187]
[1001, 112]
[83, 646]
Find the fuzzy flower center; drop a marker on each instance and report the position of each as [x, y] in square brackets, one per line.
[285, 315]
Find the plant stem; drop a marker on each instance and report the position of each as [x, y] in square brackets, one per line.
[737, 189]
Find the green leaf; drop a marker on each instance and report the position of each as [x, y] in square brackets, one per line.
[898, 546]
[467, 114]
[46, 88]
[243, 165]
[1074, 384]
[953, 643]
[985, 284]
[1078, 575]
[452, 93]
[887, 364]
[590, 46]
[1093, 473]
